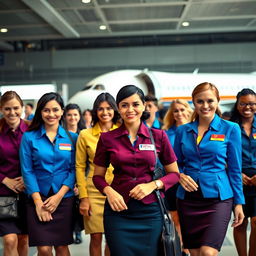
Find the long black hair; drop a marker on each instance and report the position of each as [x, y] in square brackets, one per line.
[81, 123]
[105, 96]
[235, 115]
[37, 121]
[127, 91]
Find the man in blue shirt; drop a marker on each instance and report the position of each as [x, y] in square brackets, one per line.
[152, 108]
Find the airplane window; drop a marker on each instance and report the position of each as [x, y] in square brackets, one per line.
[99, 87]
[87, 87]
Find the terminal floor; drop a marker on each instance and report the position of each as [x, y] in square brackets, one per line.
[228, 248]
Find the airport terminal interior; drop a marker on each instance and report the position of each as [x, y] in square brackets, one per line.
[82, 47]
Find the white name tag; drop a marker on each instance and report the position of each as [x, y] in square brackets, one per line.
[146, 147]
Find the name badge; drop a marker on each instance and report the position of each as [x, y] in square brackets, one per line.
[64, 146]
[146, 147]
[254, 135]
[218, 137]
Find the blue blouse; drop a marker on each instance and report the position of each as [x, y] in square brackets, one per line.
[46, 165]
[171, 133]
[215, 163]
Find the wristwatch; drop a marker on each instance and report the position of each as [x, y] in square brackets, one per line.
[158, 184]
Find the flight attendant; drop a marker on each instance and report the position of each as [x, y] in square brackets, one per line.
[132, 217]
[47, 157]
[12, 127]
[104, 118]
[179, 113]
[209, 157]
[243, 113]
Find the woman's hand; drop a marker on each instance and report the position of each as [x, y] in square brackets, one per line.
[42, 213]
[188, 183]
[246, 180]
[16, 184]
[142, 190]
[52, 202]
[238, 215]
[115, 200]
[253, 180]
[85, 207]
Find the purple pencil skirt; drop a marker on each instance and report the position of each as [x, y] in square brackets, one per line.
[204, 221]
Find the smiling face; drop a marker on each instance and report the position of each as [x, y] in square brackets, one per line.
[180, 114]
[131, 109]
[51, 113]
[246, 106]
[206, 104]
[12, 111]
[72, 117]
[105, 112]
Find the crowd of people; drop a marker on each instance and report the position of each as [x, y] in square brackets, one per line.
[93, 170]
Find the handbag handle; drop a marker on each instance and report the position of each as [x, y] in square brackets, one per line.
[167, 218]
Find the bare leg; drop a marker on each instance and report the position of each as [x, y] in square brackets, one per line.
[240, 238]
[252, 241]
[23, 245]
[10, 242]
[44, 251]
[95, 244]
[194, 252]
[208, 251]
[176, 220]
[62, 250]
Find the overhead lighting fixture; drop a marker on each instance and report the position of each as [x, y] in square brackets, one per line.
[185, 24]
[86, 1]
[103, 27]
[3, 30]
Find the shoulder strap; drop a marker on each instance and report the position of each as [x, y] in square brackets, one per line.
[70, 137]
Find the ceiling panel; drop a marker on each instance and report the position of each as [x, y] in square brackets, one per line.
[68, 19]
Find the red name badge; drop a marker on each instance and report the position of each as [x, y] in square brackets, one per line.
[218, 137]
[254, 135]
[65, 146]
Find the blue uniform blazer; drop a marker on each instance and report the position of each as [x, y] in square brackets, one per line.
[46, 165]
[215, 163]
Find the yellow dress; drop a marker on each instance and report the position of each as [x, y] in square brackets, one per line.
[85, 151]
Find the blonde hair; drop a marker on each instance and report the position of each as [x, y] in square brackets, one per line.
[201, 88]
[169, 118]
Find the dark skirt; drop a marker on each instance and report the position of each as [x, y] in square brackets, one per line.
[135, 231]
[250, 206]
[57, 232]
[204, 221]
[19, 225]
[170, 198]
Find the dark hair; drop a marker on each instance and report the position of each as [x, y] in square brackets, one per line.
[87, 110]
[37, 121]
[80, 124]
[105, 96]
[30, 104]
[151, 98]
[9, 95]
[235, 115]
[127, 91]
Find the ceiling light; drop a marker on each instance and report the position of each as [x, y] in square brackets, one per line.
[86, 1]
[3, 30]
[103, 27]
[185, 24]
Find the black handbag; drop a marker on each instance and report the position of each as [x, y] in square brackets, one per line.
[170, 241]
[8, 207]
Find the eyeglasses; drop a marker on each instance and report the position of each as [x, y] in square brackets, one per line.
[250, 104]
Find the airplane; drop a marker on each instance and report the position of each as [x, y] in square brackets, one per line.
[164, 86]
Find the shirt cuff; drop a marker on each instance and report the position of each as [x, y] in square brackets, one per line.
[100, 183]
[170, 179]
